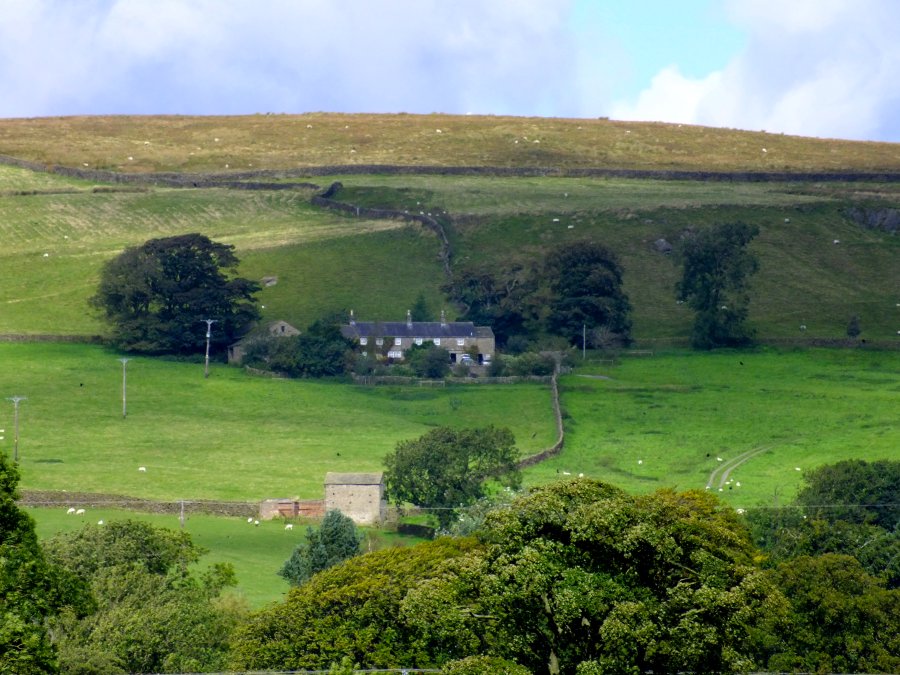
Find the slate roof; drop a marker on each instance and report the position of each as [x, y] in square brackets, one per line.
[416, 329]
[332, 478]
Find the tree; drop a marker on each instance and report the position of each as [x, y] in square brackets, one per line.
[447, 468]
[585, 291]
[152, 614]
[322, 351]
[335, 541]
[32, 591]
[156, 296]
[428, 360]
[351, 610]
[715, 269]
[854, 490]
[580, 577]
[843, 620]
[420, 310]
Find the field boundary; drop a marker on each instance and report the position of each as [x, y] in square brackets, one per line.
[237, 179]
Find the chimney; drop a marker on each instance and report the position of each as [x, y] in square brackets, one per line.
[352, 319]
[408, 318]
[443, 319]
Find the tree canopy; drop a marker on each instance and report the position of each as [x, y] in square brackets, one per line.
[156, 296]
[32, 590]
[715, 269]
[447, 468]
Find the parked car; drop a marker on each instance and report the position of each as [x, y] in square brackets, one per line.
[466, 360]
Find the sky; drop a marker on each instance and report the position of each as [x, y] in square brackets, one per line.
[825, 68]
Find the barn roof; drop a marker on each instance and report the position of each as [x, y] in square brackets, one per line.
[332, 478]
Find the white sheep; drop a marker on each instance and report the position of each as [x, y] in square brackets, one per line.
[142, 469]
[71, 510]
[289, 526]
[256, 523]
[79, 512]
[99, 522]
[250, 520]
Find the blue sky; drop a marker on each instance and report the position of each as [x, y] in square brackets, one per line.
[827, 68]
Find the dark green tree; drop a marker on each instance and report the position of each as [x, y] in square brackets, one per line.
[448, 468]
[153, 613]
[420, 310]
[842, 619]
[855, 491]
[584, 280]
[32, 591]
[336, 540]
[322, 351]
[428, 360]
[853, 329]
[716, 265]
[156, 296]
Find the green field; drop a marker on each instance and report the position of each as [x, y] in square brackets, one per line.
[230, 437]
[665, 420]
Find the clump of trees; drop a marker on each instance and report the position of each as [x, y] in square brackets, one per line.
[320, 351]
[336, 540]
[156, 296]
[716, 266]
[576, 286]
[151, 613]
[447, 468]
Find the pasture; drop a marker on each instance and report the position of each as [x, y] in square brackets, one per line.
[685, 420]
[230, 437]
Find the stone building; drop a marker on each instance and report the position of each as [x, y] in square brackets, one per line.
[359, 496]
[391, 339]
[273, 329]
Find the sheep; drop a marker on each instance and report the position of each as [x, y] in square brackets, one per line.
[79, 512]
[256, 523]
[289, 526]
[71, 510]
[142, 469]
[250, 520]
[640, 461]
[100, 522]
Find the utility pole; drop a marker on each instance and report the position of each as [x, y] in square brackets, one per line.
[124, 389]
[15, 400]
[209, 323]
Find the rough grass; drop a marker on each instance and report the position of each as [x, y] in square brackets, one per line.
[229, 437]
[230, 143]
[664, 420]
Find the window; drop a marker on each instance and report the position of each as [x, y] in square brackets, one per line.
[363, 341]
[398, 342]
[379, 341]
[418, 341]
[395, 354]
[460, 342]
[437, 341]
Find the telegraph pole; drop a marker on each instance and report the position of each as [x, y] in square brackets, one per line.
[124, 389]
[209, 323]
[15, 400]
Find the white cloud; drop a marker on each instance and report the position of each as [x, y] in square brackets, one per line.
[811, 67]
[230, 56]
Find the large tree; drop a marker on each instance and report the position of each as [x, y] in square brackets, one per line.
[32, 591]
[156, 296]
[447, 468]
[153, 614]
[716, 266]
[584, 280]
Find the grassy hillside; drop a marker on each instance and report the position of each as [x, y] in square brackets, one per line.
[228, 144]
[229, 437]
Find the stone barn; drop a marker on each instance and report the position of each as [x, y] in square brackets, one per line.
[359, 496]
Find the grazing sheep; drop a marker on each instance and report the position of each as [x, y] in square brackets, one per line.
[71, 510]
[250, 520]
[79, 512]
[99, 522]
[256, 523]
[289, 526]
[142, 469]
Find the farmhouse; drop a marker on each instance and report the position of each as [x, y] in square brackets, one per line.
[391, 339]
[274, 329]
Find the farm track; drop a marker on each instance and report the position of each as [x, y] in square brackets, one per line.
[722, 471]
